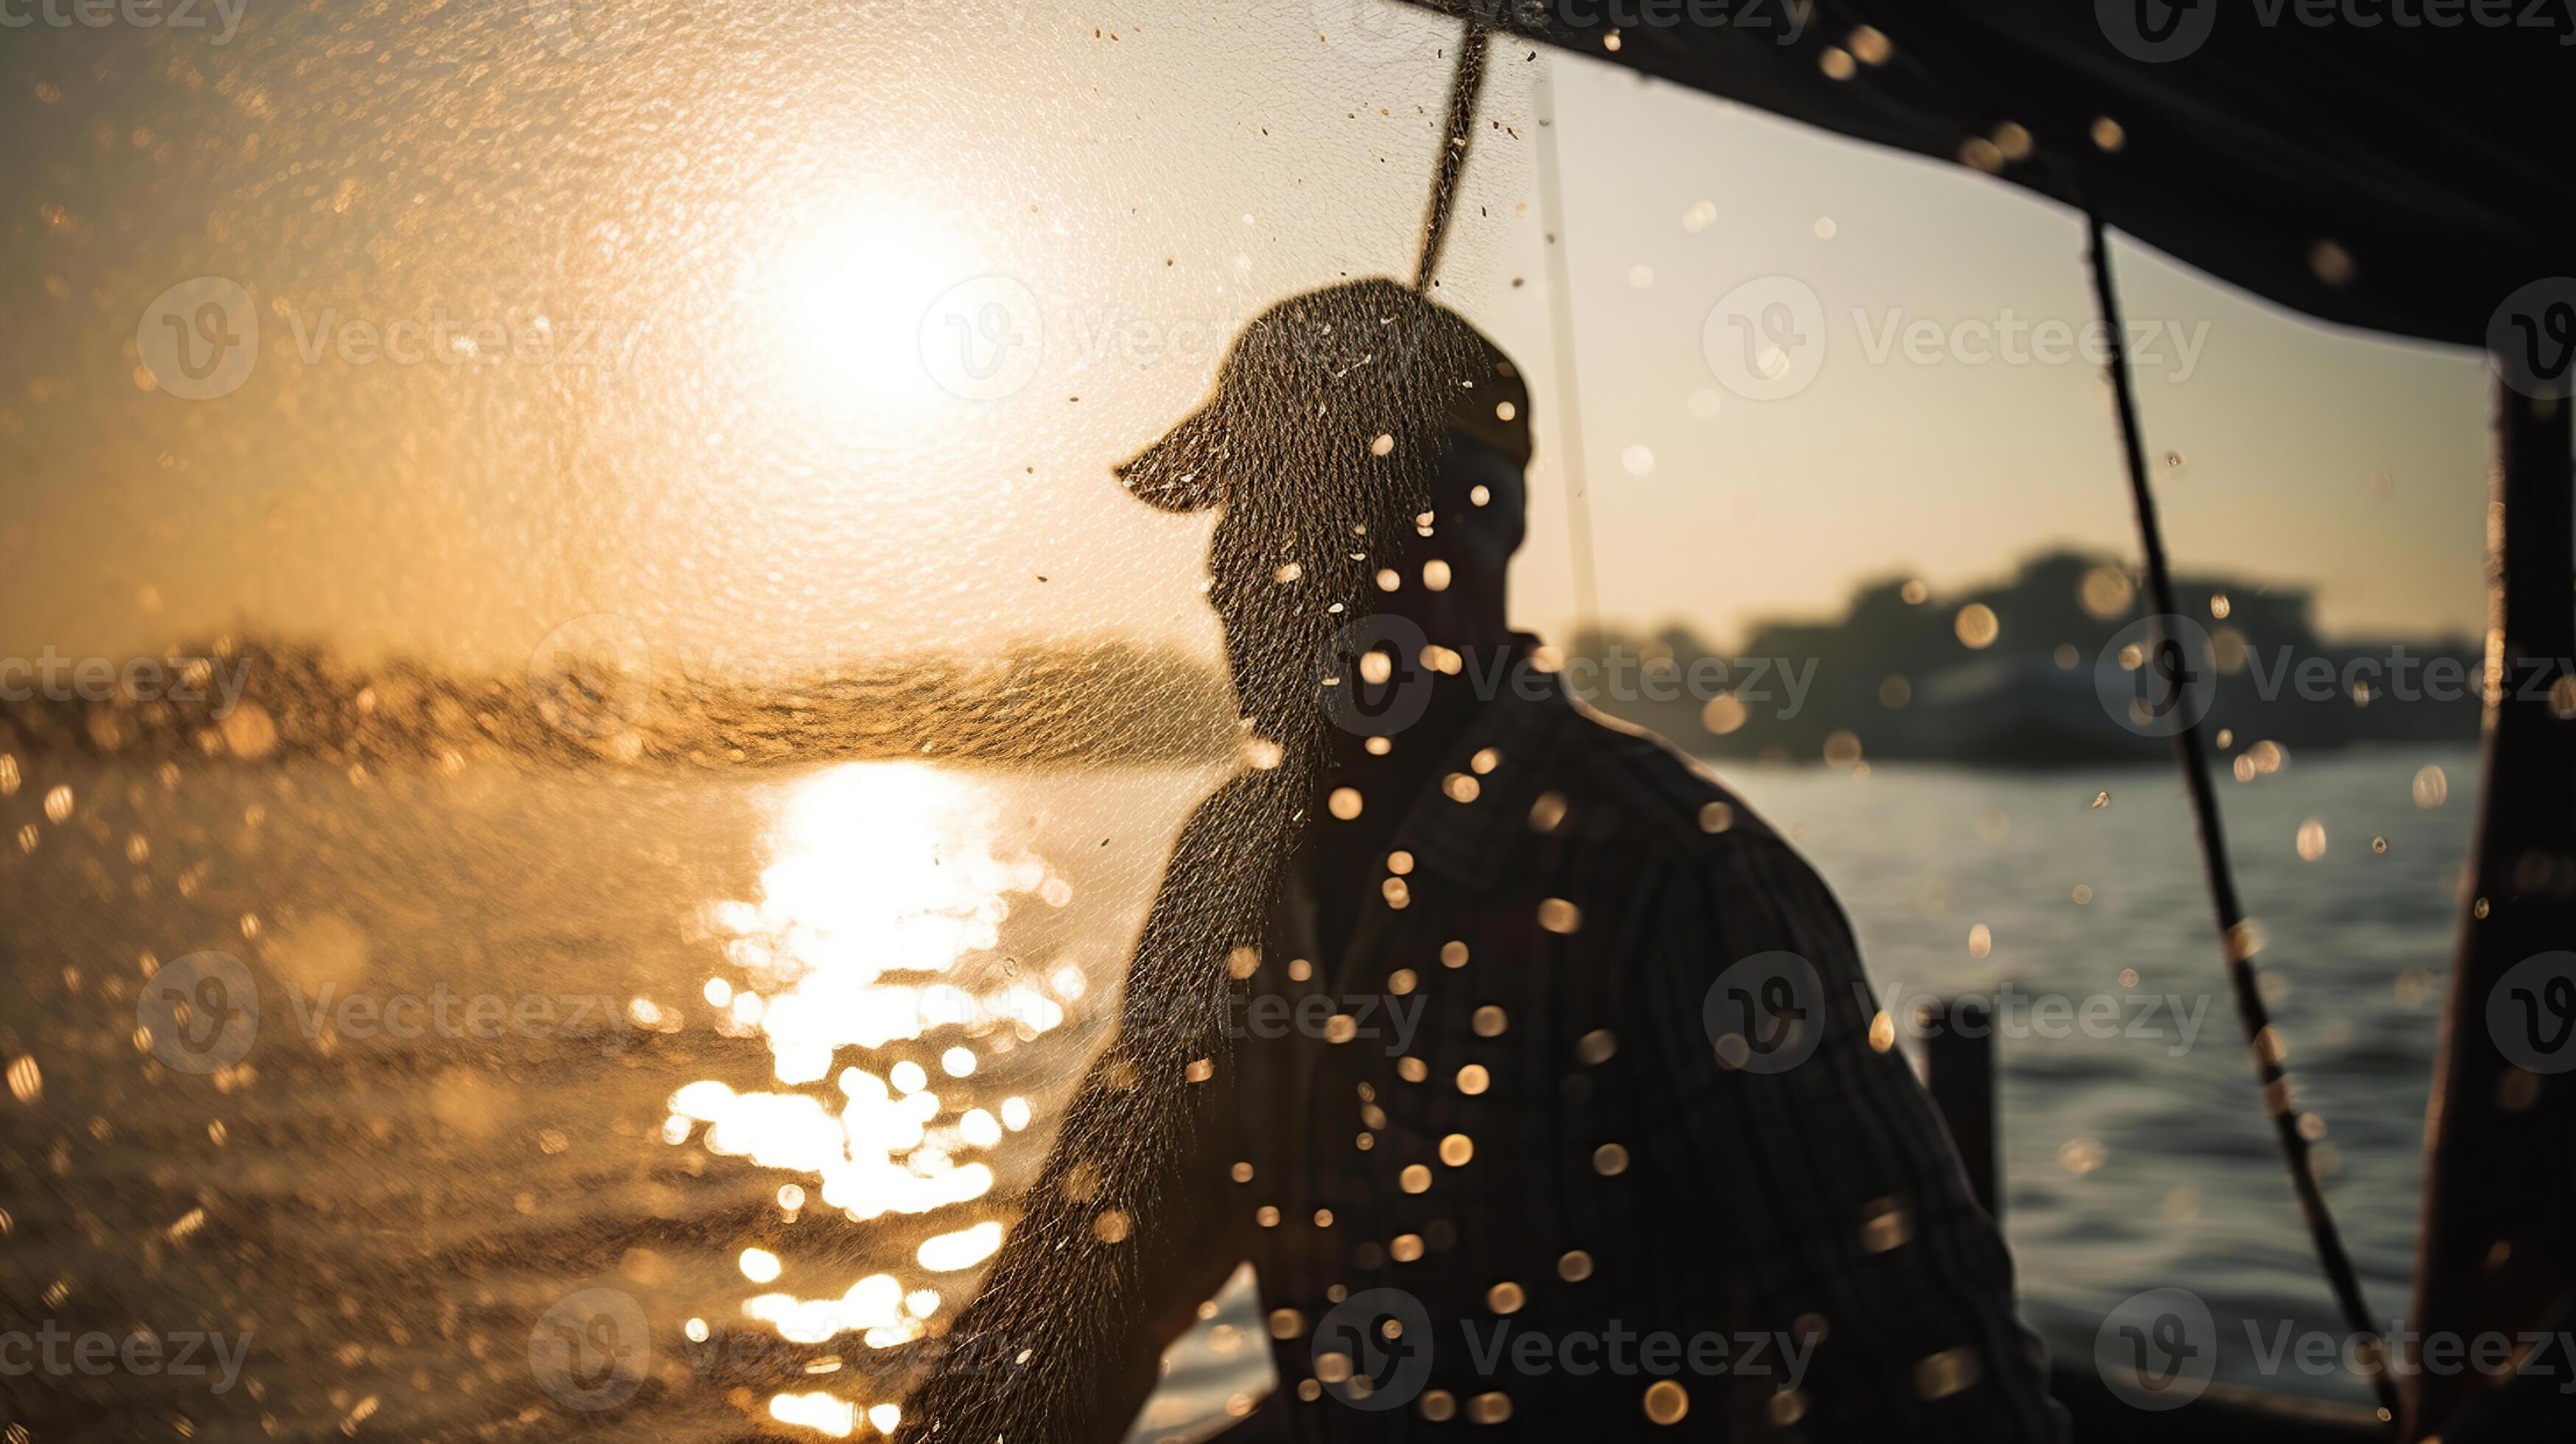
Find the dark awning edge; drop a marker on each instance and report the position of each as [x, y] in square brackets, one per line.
[2399, 178]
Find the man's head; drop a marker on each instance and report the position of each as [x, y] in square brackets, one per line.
[1359, 435]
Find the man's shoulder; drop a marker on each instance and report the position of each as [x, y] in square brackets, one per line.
[1650, 794]
[1665, 816]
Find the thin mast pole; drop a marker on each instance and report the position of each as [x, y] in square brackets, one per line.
[2239, 937]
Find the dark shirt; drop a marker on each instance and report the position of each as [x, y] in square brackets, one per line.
[1591, 1107]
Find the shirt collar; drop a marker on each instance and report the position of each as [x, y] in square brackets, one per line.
[1466, 841]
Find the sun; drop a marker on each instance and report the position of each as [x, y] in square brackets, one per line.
[843, 304]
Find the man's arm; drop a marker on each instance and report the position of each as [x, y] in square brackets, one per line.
[1065, 1339]
[1844, 1204]
[1123, 1234]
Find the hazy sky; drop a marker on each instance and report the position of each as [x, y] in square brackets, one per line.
[1950, 469]
[742, 433]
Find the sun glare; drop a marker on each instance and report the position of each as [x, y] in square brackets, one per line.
[883, 879]
[845, 304]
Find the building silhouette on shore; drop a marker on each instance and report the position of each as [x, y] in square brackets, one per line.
[2029, 672]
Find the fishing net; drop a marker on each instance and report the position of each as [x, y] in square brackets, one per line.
[661, 717]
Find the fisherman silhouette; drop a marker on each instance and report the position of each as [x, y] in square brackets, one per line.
[1415, 1022]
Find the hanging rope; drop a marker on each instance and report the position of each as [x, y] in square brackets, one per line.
[1465, 83]
[2237, 935]
[1560, 326]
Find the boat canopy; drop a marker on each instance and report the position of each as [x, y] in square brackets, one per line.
[2385, 164]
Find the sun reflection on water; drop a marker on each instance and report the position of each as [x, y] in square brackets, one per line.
[884, 898]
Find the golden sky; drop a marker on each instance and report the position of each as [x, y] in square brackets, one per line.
[713, 257]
